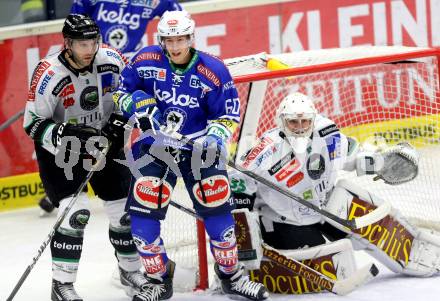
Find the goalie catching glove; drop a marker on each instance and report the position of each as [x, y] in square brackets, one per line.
[401, 164]
[394, 165]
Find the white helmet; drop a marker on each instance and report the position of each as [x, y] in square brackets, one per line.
[299, 107]
[175, 23]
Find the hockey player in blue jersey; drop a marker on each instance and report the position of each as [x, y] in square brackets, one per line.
[123, 22]
[193, 93]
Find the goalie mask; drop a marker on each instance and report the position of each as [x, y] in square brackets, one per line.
[175, 24]
[296, 115]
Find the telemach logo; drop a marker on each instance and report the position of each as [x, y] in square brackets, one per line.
[66, 246]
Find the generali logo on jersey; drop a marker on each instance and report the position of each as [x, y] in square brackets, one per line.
[147, 56]
[208, 74]
[256, 151]
[39, 71]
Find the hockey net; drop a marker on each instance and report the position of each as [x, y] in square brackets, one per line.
[388, 94]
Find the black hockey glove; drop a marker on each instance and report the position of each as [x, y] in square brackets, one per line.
[114, 131]
[82, 132]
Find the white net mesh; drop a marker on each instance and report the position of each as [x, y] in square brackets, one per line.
[391, 102]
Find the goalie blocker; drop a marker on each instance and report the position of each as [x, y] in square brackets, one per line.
[392, 240]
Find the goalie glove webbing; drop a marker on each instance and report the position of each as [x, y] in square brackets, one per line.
[401, 164]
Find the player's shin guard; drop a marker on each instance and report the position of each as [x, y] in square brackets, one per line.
[120, 235]
[66, 245]
[223, 243]
[146, 235]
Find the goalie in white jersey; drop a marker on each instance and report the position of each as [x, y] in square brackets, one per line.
[70, 99]
[304, 155]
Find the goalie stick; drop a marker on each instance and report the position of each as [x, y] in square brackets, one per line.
[338, 287]
[355, 223]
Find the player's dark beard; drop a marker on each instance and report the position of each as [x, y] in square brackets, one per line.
[69, 54]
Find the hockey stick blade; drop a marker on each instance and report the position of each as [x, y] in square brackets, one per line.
[361, 276]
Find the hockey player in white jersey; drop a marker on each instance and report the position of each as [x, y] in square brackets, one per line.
[304, 155]
[70, 99]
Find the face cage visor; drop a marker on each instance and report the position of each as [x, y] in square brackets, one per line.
[298, 125]
[185, 44]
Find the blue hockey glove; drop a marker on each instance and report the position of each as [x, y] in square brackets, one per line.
[150, 118]
[144, 107]
[213, 146]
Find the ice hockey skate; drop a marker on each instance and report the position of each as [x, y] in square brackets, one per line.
[238, 286]
[158, 288]
[64, 292]
[132, 282]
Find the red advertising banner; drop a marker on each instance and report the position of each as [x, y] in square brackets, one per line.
[274, 28]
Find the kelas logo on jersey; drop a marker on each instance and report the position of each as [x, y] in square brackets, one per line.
[129, 19]
[215, 191]
[39, 71]
[287, 170]
[147, 190]
[253, 154]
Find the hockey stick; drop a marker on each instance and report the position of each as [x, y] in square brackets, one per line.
[339, 287]
[352, 224]
[57, 224]
[11, 120]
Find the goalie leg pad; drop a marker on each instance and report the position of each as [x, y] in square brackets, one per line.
[335, 260]
[391, 239]
[424, 259]
[349, 201]
[248, 236]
